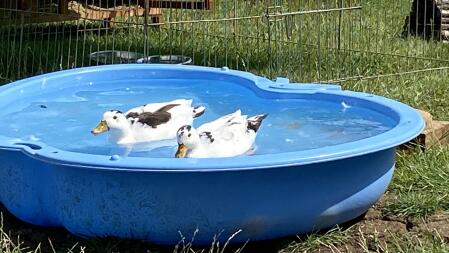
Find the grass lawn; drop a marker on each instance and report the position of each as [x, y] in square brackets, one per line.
[412, 216]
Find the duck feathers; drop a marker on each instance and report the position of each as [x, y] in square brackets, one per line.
[231, 135]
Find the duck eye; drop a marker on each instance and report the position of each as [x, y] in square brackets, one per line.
[115, 117]
[189, 135]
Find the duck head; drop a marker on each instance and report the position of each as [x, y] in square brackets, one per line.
[188, 139]
[117, 123]
[112, 120]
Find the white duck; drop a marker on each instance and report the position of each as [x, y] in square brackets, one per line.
[147, 123]
[230, 135]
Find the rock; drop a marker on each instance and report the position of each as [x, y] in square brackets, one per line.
[435, 133]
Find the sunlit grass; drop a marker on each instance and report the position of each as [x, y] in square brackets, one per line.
[365, 46]
[305, 47]
[420, 183]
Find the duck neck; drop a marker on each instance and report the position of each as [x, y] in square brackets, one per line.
[194, 145]
[123, 135]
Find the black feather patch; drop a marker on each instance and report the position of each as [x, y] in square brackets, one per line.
[208, 135]
[166, 108]
[255, 122]
[154, 119]
[197, 114]
[234, 123]
[136, 115]
[132, 115]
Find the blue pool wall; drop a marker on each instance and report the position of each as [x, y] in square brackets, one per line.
[267, 196]
[266, 203]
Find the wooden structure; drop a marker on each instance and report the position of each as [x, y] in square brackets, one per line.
[39, 11]
[92, 12]
[443, 5]
[182, 4]
[429, 19]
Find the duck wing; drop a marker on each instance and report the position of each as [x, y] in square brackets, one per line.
[152, 107]
[165, 109]
[154, 119]
[233, 126]
[134, 112]
[220, 122]
[207, 137]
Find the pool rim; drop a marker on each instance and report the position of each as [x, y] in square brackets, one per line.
[409, 125]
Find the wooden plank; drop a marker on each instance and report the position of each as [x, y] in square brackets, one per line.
[185, 4]
[92, 12]
[182, 4]
[445, 13]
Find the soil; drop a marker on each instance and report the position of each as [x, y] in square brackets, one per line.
[372, 231]
[375, 231]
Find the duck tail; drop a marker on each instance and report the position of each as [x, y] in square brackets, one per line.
[255, 121]
[198, 111]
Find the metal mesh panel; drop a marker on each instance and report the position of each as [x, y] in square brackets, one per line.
[306, 40]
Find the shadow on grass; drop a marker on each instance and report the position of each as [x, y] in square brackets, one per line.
[60, 240]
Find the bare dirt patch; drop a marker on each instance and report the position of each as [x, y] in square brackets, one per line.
[437, 223]
[374, 231]
[379, 232]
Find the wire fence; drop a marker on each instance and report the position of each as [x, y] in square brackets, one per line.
[305, 40]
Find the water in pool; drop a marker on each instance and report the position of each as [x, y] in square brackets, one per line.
[63, 119]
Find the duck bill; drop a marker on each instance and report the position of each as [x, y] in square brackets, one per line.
[100, 128]
[182, 151]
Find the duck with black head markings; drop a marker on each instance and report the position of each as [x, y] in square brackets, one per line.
[231, 135]
[150, 122]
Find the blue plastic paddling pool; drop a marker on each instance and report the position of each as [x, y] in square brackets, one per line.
[322, 157]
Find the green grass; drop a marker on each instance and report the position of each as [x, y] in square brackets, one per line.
[308, 47]
[424, 91]
[428, 242]
[329, 240]
[367, 50]
[420, 183]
